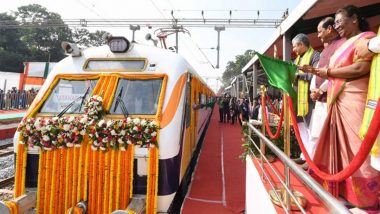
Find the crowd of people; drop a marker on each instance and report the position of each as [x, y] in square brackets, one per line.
[16, 99]
[232, 109]
[332, 88]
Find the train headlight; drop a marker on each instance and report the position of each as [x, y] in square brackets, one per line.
[71, 49]
[118, 44]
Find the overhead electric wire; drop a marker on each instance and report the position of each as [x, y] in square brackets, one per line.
[158, 9]
[184, 42]
[92, 9]
[236, 10]
[183, 22]
[171, 5]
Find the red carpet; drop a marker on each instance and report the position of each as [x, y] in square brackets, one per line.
[210, 191]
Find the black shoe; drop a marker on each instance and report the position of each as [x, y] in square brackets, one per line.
[299, 161]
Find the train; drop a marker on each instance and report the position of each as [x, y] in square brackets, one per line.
[113, 127]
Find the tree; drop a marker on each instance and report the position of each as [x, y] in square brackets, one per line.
[234, 67]
[37, 35]
[12, 49]
[43, 32]
[99, 38]
[85, 38]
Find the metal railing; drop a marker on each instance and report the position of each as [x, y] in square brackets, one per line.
[330, 201]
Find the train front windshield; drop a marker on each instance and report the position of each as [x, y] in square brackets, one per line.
[69, 95]
[136, 97]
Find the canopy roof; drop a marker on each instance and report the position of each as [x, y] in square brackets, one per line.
[305, 18]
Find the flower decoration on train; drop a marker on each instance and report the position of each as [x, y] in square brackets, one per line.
[93, 109]
[52, 133]
[72, 131]
[119, 134]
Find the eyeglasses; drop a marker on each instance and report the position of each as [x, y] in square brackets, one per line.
[339, 22]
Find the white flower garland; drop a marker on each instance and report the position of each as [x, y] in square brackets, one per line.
[118, 134]
[52, 133]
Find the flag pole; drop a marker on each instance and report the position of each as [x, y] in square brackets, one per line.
[262, 144]
[286, 147]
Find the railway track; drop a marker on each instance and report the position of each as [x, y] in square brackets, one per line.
[4, 146]
[5, 151]
[7, 182]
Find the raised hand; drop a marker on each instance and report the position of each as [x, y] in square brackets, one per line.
[307, 69]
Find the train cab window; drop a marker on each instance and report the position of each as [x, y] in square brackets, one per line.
[139, 97]
[68, 93]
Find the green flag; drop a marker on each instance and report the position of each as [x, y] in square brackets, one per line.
[280, 74]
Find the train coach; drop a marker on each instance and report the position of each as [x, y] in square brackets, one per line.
[113, 130]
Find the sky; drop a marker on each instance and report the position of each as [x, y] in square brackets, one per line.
[198, 47]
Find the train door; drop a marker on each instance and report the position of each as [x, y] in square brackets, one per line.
[188, 129]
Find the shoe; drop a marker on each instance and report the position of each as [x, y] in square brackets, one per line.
[299, 161]
[305, 166]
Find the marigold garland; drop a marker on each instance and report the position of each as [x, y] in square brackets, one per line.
[67, 132]
[62, 179]
[101, 173]
[87, 168]
[20, 169]
[112, 182]
[75, 176]
[139, 137]
[152, 180]
[124, 176]
[92, 180]
[106, 193]
[48, 177]
[41, 177]
[54, 182]
[12, 206]
[67, 179]
[23, 178]
[118, 175]
[79, 178]
[131, 162]
[152, 183]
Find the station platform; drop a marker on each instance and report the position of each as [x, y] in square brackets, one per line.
[218, 184]
[9, 120]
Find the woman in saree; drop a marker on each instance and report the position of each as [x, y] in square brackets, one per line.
[339, 141]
